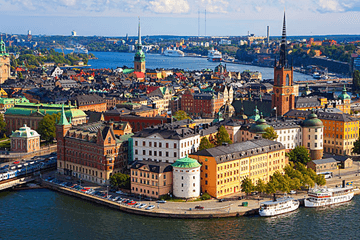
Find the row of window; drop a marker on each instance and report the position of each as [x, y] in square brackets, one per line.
[145, 191]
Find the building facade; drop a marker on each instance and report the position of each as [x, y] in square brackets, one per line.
[4, 63]
[165, 143]
[224, 167]
[25, 140]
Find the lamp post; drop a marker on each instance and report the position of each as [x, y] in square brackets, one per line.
[107, 190]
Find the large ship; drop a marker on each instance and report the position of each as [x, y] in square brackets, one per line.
[81, 49]
[278, 206]
[214, 55]
[173, 53]
[321, 197]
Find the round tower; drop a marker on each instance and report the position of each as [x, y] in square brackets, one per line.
[313, 130]
[186, 178]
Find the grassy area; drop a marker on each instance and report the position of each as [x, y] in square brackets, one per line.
[5, 144]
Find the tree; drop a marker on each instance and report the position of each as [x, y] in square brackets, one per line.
[181, 115]
[2, 124]
[205, 144]
[271, 187]
[356, 148]
[260, 186]
[356, 80]
[299, 155]
[247, 186]
[47, 127]
[270, 133]
[222, 136]
[120, 180]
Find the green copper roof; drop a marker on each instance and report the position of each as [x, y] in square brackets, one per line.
[3, 49]
[256, 115]
[186, 162]
[128, 70]
[312, 120]
[260, 126]
[63, 120]
[344, 94]
[13, 100]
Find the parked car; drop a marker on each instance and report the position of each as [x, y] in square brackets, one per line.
[160, 201]
[131, 203]
[199, 207]
[137, 205]
[119, 192]
[143, 205]
[150, 207]
[222, 200]
[292, 192]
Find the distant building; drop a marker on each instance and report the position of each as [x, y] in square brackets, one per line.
[91, 102]
[4, 63]
[25, 140]
[73, 33]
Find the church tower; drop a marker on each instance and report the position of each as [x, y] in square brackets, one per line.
[62, 127]
[4, 63]
[283, 97]
[139, 59]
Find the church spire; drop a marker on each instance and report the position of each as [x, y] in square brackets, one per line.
[63, 120]
[283, 60]
[139, 34]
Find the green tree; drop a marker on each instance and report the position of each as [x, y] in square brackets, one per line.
[247, 185]
[181, 115]
[205, 144]
[320, 180]
[356, 148]
[270, 133]
[120, 180]
[271, 187]
[2, 124]
[260, 186]
[222, 136]
[47, 127]
[299, 155]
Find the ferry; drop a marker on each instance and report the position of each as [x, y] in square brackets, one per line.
[214, 55]
[321, 197]
[173, 53]
[278, 206]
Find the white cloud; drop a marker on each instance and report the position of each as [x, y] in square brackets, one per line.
[337, 5]
[215, 6]
[168, 6]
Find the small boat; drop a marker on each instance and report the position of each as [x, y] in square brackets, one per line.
[278, 206]
[321, 197]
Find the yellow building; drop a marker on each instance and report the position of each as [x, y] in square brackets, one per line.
[340, 130]
[224, 167]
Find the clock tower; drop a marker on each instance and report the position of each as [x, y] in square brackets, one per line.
[283, 97]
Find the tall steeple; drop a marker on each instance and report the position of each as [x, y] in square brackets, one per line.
[283, 60]
[139, 59]
[63, 120]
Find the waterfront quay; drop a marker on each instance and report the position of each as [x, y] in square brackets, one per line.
[231, 207]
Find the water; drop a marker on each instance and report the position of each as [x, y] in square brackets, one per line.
[44, 214]
[117, 59]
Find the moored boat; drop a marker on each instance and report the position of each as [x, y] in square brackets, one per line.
[278, 206]
[321, 197]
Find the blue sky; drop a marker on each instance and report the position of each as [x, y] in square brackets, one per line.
[179, 17]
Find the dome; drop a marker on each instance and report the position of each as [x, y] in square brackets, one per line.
[227, 110]
[186, 162]
[260, 126]
[344, 94]
[312, 120]
[256, 115]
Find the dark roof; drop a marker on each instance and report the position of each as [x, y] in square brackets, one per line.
[93, 116]
[240, 150]
[322, 115]
[301, 102]
[264, 107]
[82, 100]
[167, 132]
[325, 160]
[283, 123]
[151, 166]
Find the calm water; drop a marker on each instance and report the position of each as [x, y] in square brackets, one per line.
[44, 214]
[116, 59]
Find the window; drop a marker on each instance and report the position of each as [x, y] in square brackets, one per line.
[308, 145]
[109, 140]
[167, 154]
[144, 152]
[175, 145]
[206, 167]
[150, 144]
[136, 143]
[167, 145]
[160, 144]
[175, 154]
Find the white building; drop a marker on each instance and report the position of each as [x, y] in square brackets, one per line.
[73, 33]
[165, 143]
[186, 178]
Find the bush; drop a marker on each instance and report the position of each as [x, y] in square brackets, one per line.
[205, 196]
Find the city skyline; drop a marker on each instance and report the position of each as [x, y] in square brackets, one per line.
[166, 17]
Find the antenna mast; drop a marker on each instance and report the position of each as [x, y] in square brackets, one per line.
[199, 23]
[205, 22]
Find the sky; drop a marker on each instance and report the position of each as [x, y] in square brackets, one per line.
[179, 17]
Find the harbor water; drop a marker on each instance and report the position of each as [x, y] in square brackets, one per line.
[117, 59]
[45, 214]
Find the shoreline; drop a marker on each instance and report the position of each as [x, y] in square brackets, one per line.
[226, 210]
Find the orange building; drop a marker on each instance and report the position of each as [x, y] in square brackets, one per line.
[224, 167]
[91, 102]
[151, 179]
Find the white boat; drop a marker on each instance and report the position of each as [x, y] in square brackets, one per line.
[278, 206]
[321, 197]
[81, 49]
[214, 55]
[173, 53]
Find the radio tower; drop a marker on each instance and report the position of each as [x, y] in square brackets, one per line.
[199, 23]
[205, 22]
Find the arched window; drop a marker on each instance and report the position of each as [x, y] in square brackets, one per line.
[277, 80]
[287, 80]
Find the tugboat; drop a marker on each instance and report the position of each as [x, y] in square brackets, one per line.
[278, 206]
